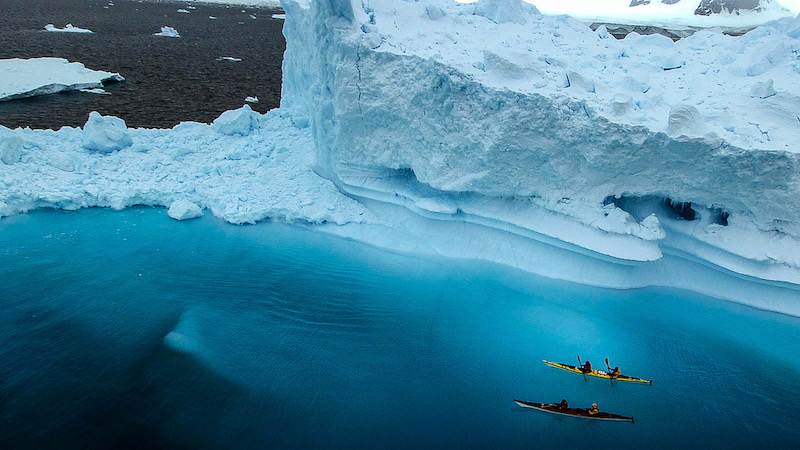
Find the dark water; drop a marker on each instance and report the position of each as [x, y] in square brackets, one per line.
[127, 329]
[167, 80]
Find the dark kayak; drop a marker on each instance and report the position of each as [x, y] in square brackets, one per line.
[573, 412]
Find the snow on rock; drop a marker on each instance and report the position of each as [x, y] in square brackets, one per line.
[184, 210]
[237, 121]
[20, 78]
[67, 29]
[105, 134]
[168, 32]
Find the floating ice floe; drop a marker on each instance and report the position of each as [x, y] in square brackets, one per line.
[67, 29]
[20, 78]
[251, 99]
[229, 58]
[96, 91]
[184, 11]
[168, 32]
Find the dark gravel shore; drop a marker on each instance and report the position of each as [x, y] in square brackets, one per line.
[168, 80]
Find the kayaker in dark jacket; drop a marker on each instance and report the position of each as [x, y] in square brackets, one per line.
[586, 367]
[614, 372]
[563, 405]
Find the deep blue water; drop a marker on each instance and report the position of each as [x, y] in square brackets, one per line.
[283, 337]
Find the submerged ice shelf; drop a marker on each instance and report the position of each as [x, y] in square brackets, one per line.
[485, 131]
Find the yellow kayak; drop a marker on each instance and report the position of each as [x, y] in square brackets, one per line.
[596, 373]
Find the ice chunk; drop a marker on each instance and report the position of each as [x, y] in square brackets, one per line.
[183, 210]
[238, 121]
[686, 120]
[10, 146]
[67, 29]
[763, 89]
[504, 11]
[105, 134]
[168, 32]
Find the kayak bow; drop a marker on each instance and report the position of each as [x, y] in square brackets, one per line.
[573, 412]
[597, 373]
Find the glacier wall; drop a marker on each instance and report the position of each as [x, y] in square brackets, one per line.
[453, 113]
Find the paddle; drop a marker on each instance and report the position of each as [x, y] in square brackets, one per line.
[609, 372]
[581, 364]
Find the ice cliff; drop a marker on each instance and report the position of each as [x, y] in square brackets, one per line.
[485, 131]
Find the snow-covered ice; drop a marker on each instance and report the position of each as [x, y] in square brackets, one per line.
[489, 131]
[67, 29]
[20, 78]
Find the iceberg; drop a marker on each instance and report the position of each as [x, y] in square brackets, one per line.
[69, 28]
[168, 32]
[549, 131]
[489, 131]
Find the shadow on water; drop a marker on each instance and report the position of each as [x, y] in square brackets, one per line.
[168, 80]
[67, 387]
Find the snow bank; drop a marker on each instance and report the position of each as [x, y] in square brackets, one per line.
[20, 78]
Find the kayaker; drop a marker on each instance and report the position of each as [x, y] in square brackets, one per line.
[563, 405]
[586, 367]
[614, 372]
[594, 409]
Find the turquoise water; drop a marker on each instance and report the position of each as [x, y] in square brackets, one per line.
[130, 329]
